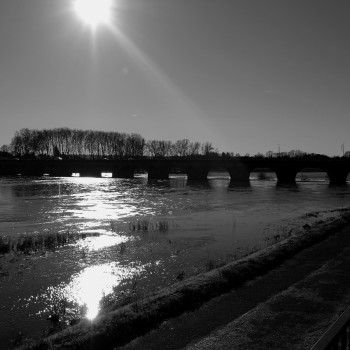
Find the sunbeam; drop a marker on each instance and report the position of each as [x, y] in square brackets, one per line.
[159, 77]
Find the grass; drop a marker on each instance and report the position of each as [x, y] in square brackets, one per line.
[33, 242]
[149, 224]
[122, 248]
[143, 224]
[4, 273]
[117, 300]
[181, 275]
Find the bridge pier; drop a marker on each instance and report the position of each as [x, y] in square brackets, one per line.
[160, 172]
[89, 173]
[285, 175]
[238, 171]
[7, 170]
[239, 176]
[125, 173]
[60, 169]
[197, 173]
[337, 176]
[33, 172]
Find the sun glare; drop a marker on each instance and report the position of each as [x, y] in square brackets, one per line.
[94, 13]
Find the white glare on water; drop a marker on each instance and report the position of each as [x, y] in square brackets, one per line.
[103, 241]
[88, 287]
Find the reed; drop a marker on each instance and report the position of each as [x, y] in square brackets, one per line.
[29, 243]
[143, 224]
[210, 265]
[122, 248]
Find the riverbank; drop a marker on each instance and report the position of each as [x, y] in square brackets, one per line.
[303, 295]
[294, 319]
[122, 325]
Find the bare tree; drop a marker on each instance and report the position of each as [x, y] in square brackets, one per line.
[207, 148]
[97, 144]
[157, 148]
[181, 147]
[194, 148]
[5, 148]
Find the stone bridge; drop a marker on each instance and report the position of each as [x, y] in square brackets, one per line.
[239, 169]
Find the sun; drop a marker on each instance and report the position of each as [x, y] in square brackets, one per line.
[94, 13]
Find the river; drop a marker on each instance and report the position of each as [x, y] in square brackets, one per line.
[191, 227]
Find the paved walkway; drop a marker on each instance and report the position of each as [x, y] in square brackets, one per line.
[288, 308]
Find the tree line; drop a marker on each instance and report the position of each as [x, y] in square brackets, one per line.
[98, 144]
[76, 143]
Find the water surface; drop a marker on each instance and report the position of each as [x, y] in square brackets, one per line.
[206, 221]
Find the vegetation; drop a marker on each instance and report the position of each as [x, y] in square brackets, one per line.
[97, 144]
[143, 224]
[27, 243]
[120, 326]
[149, 225]
[75, 143]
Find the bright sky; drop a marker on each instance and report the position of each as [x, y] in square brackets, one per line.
[245, 75]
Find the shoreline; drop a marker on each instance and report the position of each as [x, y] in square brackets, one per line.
[113, 328]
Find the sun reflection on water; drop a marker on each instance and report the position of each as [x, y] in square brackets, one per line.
[88, 287]
[94, 208]
[103, 241]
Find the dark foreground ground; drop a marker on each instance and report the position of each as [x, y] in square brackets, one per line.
[290, 307]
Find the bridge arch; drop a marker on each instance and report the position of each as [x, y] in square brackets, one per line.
[286, 169]
[309, 174]
[218, 173]
[266, 174]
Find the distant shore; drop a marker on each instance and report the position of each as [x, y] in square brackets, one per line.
[124, 324]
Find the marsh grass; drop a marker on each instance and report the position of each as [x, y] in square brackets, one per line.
[149, 224]
[131, 295]
[144, 224]
[34, 242]
[213, 264]
[210, 265]
[122, 248]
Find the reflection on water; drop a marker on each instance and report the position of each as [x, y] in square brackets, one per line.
[103, 241]
[87, 287]
[210, 219]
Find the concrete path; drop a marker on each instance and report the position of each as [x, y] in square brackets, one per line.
[288, 308]
[293, 319]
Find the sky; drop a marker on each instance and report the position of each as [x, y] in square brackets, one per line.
[247, 76]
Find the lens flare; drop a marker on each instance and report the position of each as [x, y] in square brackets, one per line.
[94, 13]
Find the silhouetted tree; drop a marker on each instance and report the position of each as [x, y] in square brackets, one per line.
[207, 148]
[181, 147]
[56, 152]
[5, 149]
[98, 144]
